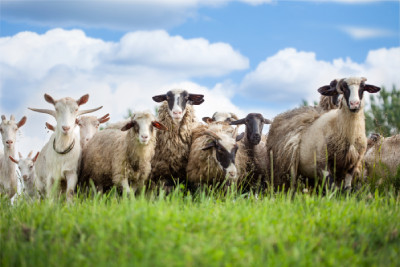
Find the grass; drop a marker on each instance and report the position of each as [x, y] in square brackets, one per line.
[205, 229]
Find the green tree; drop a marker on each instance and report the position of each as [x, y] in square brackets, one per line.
[383, 115]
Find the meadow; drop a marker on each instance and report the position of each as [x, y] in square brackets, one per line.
[204, 229]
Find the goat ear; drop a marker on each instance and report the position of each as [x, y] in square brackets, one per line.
[209, 145]
[49, 99]
[3, 117]
[35, 157]
[83, 100]
[159, 125]
[371, 88]
[159, 98]
[50, 127]
[104, 119]
[13, 160]
[21, 122]
[207, 119]
[267, 121]
[328, 90]
[238, 122]
[195, 99]
[239, 137]
[128, 126]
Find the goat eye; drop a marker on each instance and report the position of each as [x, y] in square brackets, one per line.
[31, 167]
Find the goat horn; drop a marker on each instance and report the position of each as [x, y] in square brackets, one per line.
[47, 111]
[30, 154]
[80, 112]
[12, 118]
[20, 155]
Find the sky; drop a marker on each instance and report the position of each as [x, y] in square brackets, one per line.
[245, 56]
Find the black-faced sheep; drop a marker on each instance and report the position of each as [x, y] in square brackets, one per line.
[173, 146]
[306, 142]
[254, 148]
[121, 157]
[213, 156]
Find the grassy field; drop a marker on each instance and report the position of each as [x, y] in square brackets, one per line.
[203, 230]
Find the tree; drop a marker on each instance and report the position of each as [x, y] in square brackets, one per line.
[383, 116]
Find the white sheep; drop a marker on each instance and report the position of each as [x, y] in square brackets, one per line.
[173, 146]
[221, 116]
[58, 160]
[306, 142]
[27, 169]
[8, 176]
[121, 157]
[213, 158]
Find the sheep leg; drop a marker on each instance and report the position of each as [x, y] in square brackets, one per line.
[72, 179]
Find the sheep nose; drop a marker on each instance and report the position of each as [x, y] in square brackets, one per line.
[9, 142]
[66, 128]
[354, 103]
[144, 136]
[232, 174]
[257, 136]
[177, 112]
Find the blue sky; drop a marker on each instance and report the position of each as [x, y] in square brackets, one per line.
[245, 56]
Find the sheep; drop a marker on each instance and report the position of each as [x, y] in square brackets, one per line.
[173, 146]
[327, 103]
[253, 146]
[383, 157]
[58, 160]
[212, 156]
[8, 176]
[88, 126]
[27, 169]
[306, 142]
[121, 157]
[221, 116]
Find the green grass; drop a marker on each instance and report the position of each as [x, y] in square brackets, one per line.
[203, 230]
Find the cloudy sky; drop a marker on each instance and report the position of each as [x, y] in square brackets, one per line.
[244, 55]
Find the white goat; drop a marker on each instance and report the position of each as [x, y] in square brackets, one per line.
[59, 159]
[27, 169]
[8, 176]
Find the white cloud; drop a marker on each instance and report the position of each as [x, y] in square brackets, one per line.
[124, 15]
[360, 33]
[118, 75]
[291, 75]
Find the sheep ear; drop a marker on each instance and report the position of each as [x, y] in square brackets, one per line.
[233, 115]
[159, 125]
[13, 160]
[371, 88]
[238, 122]
[207, 119]
[21, 122]
[195, 99]
[83, 100]
[267, 121]
[328, 90]
[35, 157]
[239, 137]
[210, 145]
[128, 126]
[50, 127]
[104, 119]
[159, 98]
[49, 99]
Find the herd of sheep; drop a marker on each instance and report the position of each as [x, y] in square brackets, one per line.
[314, 143]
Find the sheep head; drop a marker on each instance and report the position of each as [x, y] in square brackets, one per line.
[254, 125]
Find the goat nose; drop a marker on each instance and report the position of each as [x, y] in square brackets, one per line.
[9, 142]
[66, 128]
[25, 176]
